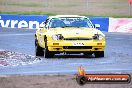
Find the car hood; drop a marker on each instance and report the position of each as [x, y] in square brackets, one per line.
[73, 32]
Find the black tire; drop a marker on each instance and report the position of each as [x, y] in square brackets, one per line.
[81, 80]
[99, 54]
[48, 54]
[87, 54]
[38, 50]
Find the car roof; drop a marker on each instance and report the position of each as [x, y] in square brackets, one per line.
[61, 16]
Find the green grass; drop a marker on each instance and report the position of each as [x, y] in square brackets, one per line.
[40, 4]
[29, 13]
[106, 16]
[24, 4]
[51, 14]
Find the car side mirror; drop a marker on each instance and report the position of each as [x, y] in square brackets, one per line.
[97, 25]
[42, 25]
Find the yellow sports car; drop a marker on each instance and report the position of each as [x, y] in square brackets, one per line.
[69, 34]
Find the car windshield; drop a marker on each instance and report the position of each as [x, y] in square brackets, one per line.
[70, 22]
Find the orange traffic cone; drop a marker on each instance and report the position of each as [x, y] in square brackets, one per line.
[81, 71]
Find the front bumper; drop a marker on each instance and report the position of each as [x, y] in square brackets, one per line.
[76, 46]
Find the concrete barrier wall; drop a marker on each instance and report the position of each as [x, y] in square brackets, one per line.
[120, 25]
[33, 22]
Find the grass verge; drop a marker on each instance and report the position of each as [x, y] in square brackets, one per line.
[50, 14]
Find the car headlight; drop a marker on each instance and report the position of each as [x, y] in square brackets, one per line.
[98, 37]
[57, 37]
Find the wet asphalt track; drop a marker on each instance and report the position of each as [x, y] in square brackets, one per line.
[118, 55]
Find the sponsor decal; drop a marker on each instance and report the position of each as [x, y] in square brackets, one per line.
[21, 21]
[102, 21]
[78, 44]
[83, 78]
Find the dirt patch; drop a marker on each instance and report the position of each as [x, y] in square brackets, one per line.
[8, 58]
[64, 81]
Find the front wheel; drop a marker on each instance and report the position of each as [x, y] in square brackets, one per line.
[38, 50]
[48, 54]
[99, 54]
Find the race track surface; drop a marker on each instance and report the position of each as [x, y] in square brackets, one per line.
[118, 55]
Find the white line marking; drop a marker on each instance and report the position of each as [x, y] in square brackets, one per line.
[119, 38]
[17, 34]
[123, 39]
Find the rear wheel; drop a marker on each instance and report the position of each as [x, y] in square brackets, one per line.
[99, 54]
[38, 50]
